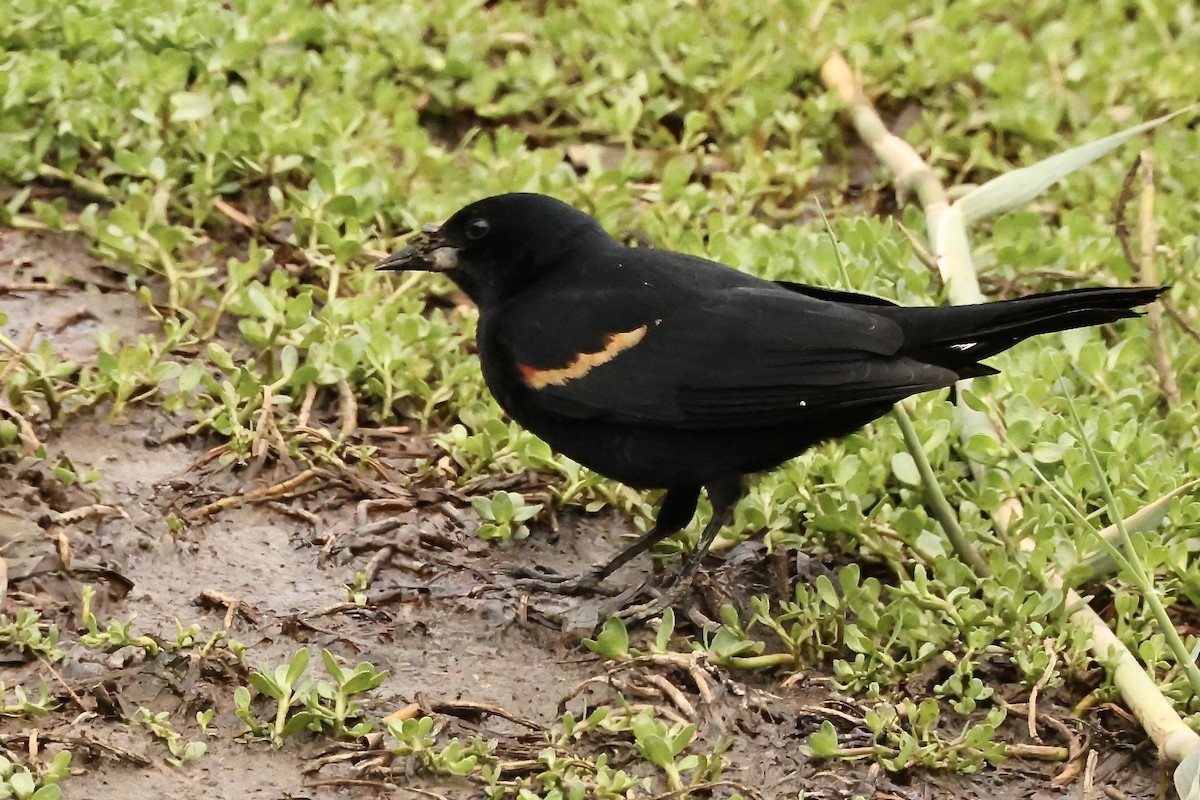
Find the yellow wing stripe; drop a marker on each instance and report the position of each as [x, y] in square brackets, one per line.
[582, 364]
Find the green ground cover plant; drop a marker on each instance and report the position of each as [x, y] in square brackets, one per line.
[239, 168]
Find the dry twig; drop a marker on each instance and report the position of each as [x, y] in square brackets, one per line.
[672, 693]
[257, 494]
[944, 227]
[1148, 274]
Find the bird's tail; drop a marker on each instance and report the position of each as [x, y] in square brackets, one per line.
[959, 337]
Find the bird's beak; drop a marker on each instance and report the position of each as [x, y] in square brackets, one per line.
[428, 252]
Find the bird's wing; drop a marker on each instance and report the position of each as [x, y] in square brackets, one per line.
[743, 357]
[836, 295]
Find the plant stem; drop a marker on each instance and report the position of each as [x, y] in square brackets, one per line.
[942, 510]
[1138, 573]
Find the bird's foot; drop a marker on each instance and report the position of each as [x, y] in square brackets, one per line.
[541, 579]
[636, 614]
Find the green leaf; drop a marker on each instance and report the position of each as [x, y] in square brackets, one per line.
[490, 531]
[298, 666]
[365, 679]
[676, 174]
[1142, 521]
[331, 666]
[824, 743]
[260, 301]
[344, 205]
[190, 106]
[288, 359]
[265, 685]
[1049, 452]
[59, 769]
[301, 721]
[856, 641]
[665, 628]
[503, 504]
[526, 512]
[905, 469]
[1016, 188]
[654, 748]
[1151, 515]
[464, 767]
[22, 783]
[219, 356]
[613, 641]
[682, 739]
[483, 507]
[157, 169]
[1187, 776]
[826, 591]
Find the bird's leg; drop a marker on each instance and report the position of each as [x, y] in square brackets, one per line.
[724, 496]
[674, 513]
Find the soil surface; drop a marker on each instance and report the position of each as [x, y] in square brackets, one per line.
[441, 613]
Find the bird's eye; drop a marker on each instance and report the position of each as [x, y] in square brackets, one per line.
[477, 228]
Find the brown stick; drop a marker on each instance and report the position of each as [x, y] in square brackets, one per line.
[256, 494]
[13, 288]
[1148, 241]
[944, 225]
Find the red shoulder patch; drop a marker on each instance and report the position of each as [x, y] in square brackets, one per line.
[583, 363]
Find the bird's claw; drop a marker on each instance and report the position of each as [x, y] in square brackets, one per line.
[535, 573]
[638, 613]
[539, 579]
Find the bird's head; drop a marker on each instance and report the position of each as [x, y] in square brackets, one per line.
[498, 245]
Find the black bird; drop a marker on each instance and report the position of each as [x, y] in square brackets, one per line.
[668, 371]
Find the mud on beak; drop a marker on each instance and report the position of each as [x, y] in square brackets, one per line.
[428, 252]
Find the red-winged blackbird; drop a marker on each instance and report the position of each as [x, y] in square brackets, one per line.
[667, 371]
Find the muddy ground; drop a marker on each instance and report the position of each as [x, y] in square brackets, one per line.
[441, 615]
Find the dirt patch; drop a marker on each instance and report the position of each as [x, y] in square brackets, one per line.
[52, 283]
[440, 615]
